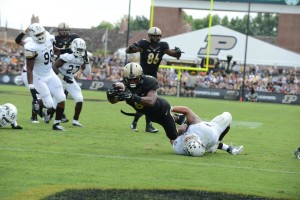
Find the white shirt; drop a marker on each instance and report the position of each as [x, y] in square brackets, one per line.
[204, 130]
[72, 64]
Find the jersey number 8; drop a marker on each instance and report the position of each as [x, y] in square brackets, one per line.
[152, 59]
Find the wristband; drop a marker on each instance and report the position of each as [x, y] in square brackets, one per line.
[31, 86]
[137, 98]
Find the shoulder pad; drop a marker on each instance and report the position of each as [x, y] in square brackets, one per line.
[164, 45]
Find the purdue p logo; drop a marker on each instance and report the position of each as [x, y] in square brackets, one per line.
[96, 85]
[217, 43]
[289, 98]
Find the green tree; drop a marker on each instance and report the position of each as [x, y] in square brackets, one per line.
[263, 24]
[139, 23]
[105, 24]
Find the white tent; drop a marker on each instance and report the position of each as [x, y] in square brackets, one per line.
[225, 41]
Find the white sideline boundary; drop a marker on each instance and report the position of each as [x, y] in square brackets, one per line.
[149, 159]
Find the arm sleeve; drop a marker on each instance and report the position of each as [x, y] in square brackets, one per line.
[19, 38]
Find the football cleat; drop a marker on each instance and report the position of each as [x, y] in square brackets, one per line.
[46, 117]
[235, 150]
[34, 120]
[76, 123]
[133, 127]
[64, 119]
[150, 128]
[57, 127]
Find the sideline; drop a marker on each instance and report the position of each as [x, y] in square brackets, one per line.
[149, 159]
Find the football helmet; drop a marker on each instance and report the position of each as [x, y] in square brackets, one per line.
[193, 145]
[78, 47]
[37, 33]
[154, 34]
[63, 30]
[8, 114]
[132, 74]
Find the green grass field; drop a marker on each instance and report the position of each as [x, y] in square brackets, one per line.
[37, 162]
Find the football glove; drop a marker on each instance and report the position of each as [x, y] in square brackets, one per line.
[178, 52]
[67, 79]
[34, 93]
[133, 46]
[16, 126]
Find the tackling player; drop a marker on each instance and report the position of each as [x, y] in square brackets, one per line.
[151, 53]
[201, 136]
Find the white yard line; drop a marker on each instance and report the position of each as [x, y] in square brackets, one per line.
[149, 159]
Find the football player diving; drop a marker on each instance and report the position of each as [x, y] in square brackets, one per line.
[140, 92]
[151, 53]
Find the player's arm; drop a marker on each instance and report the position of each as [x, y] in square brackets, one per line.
[174, 52]
[191, 117]
[19, 39]
[150, 99]
[133, 48]
[57, 64]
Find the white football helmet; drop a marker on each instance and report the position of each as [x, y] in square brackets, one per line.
[8, 114]
[132, 75]
[193, 145]
[154, 34]
[78, 47]
[37, 33]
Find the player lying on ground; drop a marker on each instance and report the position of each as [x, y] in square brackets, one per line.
[201, 136]
[8, 116]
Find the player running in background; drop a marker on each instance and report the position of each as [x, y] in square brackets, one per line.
[40, 75]
[66, 66]
[64, 40]
[201, 136]
[151, 53]
[35, 106]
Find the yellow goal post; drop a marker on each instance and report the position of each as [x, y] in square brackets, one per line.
[179, 69]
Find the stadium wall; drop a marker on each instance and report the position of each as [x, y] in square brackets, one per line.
[200, 92]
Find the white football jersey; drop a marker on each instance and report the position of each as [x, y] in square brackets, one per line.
[43, 53]
[208, 132]
[72, 64]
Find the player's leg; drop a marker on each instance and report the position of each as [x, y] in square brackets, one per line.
[33, 118]
[64, 118]
[149, 127]
[75, 91]
[136, 118]
[57, 91]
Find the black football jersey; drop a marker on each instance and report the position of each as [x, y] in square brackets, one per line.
[151, 57]
[65, 44]
[148, 83]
